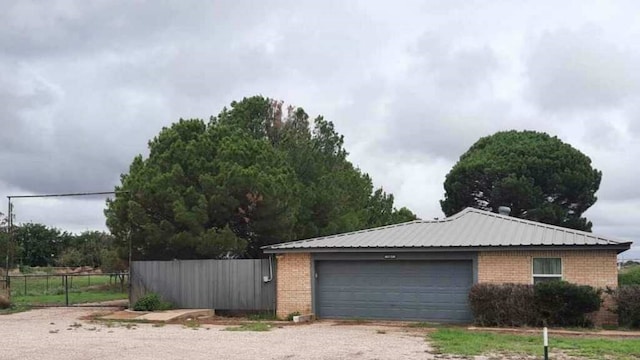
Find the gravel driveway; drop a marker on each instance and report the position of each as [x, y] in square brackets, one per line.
[56, 333]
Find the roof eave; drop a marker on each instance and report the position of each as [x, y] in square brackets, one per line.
[618, 247]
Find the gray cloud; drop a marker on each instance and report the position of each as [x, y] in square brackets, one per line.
[85, 85]
[579, 70]
[445, 101]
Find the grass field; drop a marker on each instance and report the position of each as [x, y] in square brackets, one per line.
[50, 290]
[469, 343]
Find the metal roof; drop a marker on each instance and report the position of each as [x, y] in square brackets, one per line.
[470, 228]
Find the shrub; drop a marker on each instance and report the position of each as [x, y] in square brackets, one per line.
[630, 276]
[502, 305]
[4, 302]
[151, 302]
[70, 257]
[564, 304]
[554, 303]
[25, 269]
[291, 315]
[627, 299]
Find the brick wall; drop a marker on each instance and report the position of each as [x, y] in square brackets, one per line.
[595, 268]
[293, 285]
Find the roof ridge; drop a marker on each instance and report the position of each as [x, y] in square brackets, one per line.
[417, 221]
[445, 232]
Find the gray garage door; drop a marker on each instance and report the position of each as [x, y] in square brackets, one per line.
[409, 290]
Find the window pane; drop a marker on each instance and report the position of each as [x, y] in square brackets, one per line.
[547, 266]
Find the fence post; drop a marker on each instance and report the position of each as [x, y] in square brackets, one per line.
[66, 290]
[25, 286]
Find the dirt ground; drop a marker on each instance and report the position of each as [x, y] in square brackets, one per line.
[60, 333]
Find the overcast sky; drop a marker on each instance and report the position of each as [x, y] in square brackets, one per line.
[411, 85]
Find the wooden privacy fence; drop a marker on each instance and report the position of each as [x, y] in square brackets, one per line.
[242, 284]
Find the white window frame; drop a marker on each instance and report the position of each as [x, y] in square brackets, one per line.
[555, 276]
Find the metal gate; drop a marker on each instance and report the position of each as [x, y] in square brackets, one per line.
[45, 290]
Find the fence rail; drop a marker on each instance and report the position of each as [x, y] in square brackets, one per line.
[238, 285]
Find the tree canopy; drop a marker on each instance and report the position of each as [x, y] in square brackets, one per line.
[254, 175]
[538, 176]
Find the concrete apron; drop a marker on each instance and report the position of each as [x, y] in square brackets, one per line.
[168, 315]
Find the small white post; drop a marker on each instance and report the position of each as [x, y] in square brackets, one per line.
[545, 340]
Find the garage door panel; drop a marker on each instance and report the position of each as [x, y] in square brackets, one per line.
[420, 290]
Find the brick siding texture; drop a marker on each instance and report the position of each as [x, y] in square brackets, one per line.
[594, 268]
[293, 284]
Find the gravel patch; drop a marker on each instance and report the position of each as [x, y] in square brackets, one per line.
[60, 334]
[57, 333]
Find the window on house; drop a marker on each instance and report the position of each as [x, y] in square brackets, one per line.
[547, 269]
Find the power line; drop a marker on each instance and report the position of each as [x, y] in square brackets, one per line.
[67, 194]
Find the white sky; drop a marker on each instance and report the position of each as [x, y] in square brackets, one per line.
[84, 85]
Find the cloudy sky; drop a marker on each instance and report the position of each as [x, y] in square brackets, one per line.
[412, 84]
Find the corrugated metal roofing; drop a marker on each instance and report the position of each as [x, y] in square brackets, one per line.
[466, 229]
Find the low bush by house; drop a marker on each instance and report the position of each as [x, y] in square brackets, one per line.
[151, 302]
[502, 304]
[560, 303]
[555, 303]
[627, 305]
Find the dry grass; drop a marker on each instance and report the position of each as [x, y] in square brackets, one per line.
[4, 302]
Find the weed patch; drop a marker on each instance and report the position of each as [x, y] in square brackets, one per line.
[192, 324]
[15, 308]
[256, 326]
[427, 325]
[264, 316]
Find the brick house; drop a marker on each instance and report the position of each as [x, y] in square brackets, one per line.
[423, 270]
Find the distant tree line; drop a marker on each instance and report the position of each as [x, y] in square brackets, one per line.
[34, 244]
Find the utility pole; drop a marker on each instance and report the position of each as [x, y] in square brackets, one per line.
[9, 242]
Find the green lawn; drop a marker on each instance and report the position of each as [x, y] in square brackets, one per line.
[74, 298]
[40, 290]
[53, 284]
[465, 342]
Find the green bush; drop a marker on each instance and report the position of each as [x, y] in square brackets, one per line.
[70, 257]
[629, 276]
[25, 269]
[554, 303]
[151, 302]
[502, 304]
[627, 305]
[560, 303]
